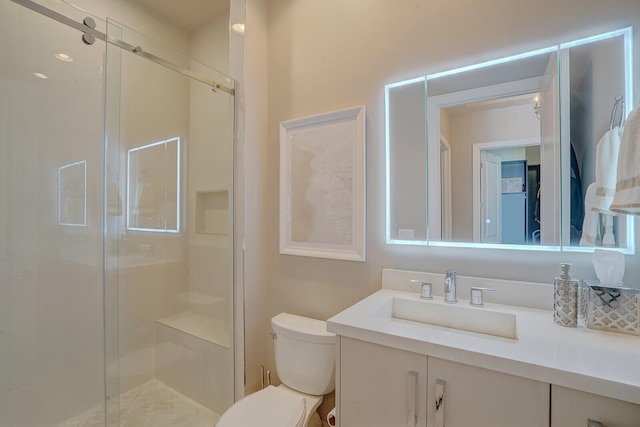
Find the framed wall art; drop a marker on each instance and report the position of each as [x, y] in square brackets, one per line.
[322, 185]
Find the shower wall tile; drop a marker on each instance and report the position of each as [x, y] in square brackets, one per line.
[209, 275]
[146, 293]
[199, 369]
[217, 377]
[7, 409]
[179, 361]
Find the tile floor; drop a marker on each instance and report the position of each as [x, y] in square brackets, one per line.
[151, 404]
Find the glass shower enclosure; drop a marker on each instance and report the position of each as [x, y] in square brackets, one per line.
[116, 225]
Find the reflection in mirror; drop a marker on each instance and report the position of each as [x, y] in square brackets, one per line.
[153, 187]
[500, 172]
[508, 192]
[503, 153]
[406, 172]
[599, 74]
[503, 202]
[72, 194]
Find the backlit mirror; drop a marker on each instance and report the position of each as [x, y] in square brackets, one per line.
[406, 161]
[153, 189]
[72, 194]
[511, 150]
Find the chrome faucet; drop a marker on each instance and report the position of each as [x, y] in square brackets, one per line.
[450, 286]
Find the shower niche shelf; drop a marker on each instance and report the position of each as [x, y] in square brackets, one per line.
[212, 212]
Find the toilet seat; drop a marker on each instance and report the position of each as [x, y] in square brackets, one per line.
[270, 407]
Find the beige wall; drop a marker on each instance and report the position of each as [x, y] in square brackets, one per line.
[327, 55]
[257, 193]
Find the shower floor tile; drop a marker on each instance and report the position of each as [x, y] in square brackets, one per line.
[151, 404]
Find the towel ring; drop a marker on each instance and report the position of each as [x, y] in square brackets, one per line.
[619, 103]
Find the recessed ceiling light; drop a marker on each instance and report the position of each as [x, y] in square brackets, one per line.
[237, 28]
[41, 76]
[63, 57]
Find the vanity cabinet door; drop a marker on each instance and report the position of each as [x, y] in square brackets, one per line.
[480, 397]
[381, 386]
[575, 408]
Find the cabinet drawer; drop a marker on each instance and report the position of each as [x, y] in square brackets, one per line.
[573, 408]
[374, 382]
[480, 397]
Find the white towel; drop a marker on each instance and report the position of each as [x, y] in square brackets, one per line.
[606, 170]
[627, 196]
[591, 223]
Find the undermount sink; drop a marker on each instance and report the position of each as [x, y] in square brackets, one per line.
[461, 317]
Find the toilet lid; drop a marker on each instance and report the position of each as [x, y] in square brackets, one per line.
[270, 407]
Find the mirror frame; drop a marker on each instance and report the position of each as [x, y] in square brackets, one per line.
[627, 34]
[178, 193]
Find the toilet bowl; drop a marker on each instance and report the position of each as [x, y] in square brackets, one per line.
[273, 407]
[305, 362]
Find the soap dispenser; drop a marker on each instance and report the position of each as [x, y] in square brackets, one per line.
[565, 298]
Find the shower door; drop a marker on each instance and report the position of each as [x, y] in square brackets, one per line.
[169, 299]
[116, 196]
[51, 229]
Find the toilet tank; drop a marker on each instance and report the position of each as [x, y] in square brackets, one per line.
[305, 353]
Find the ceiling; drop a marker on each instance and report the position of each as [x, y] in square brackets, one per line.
[188, 14]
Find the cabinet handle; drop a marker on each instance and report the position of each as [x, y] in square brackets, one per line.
[412, 386]
[440, 386]
[594, 423]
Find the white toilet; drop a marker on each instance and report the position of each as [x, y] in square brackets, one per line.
[305, 361]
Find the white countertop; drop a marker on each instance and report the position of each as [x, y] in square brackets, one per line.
[598, 362]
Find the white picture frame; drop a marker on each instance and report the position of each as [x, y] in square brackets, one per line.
[322, 185]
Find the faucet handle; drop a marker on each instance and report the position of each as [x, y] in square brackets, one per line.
[477, 297]
[426, 289]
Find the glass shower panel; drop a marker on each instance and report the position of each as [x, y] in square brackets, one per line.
[169, 304]
[51, 204]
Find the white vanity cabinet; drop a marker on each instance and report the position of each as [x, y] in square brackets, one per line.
[386, 387]
[380, 386]
[542, 377]
[575, 408]
[481, 397]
